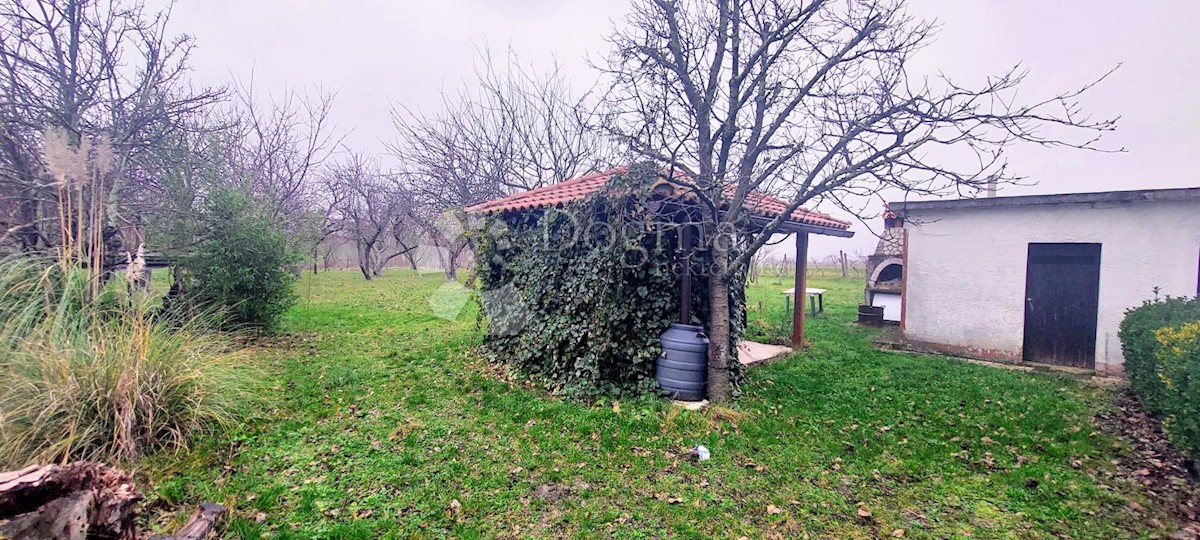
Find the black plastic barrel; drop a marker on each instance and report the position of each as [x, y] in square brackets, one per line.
[682, 369]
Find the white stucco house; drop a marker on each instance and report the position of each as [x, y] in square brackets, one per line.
[1042, 278]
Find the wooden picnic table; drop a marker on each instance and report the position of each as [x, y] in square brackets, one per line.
[816, 299]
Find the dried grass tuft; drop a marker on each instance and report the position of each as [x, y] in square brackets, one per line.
[104, 378]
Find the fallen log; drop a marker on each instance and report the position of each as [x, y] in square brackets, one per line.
[82, 501]
[69, 502]
[199, 526]
[64, 518]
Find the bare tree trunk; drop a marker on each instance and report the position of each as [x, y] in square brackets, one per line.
[448, 258]
[720, 388]
[377, 262]
[327, 259]
[364, 261]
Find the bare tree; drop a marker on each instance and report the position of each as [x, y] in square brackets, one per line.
[513, 130]
[332, 199]
[371, 210]
[809, 101]
[540, 130]
[270, 148]
[445, 229]
[282, 140]
[88, 68]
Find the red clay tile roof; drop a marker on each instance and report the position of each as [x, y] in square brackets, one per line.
[575, 189]
[551, 195]
[768, 206]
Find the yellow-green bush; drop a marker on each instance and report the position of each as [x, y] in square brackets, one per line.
[1178, 359]
[1139, 344]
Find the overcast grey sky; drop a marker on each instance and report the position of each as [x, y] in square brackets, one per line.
[373, 53]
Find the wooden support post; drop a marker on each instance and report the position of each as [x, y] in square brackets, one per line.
[801, 279]
[685, 278]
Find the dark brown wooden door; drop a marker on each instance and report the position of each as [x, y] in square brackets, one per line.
[1062, 294]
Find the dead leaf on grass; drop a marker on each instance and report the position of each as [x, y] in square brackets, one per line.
[667, 498]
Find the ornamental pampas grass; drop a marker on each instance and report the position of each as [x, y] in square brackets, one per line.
[91, 371]
[81, 173]
[135, 266]
[105, 378]
[61, 160]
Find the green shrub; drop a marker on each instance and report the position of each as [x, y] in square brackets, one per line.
[577, 298]
[101, 378]
[243, 263]
[1138, 344]
[1178, 356]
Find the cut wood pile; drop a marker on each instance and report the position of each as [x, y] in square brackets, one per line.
[81, 501]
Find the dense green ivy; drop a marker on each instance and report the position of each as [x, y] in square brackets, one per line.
[577, 297]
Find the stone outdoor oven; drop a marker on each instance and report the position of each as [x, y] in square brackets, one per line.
[885, 269]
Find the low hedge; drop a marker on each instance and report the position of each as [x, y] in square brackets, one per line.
[1178, 358]
[1161, 343]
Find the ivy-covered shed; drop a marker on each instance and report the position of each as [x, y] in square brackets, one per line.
[580, 278]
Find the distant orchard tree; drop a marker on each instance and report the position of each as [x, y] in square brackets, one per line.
[373, 210]
[513, 131]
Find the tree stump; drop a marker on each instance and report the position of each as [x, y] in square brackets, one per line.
[82, 501]
[68, 502]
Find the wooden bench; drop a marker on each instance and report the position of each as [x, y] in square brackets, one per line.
[816, 300]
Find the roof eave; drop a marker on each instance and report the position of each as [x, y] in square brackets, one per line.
[793, 227]
[1143, 195]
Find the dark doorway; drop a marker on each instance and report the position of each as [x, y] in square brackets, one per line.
[1062, 294]
[890, 273]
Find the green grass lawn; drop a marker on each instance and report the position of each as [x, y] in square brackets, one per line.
[375, 418]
